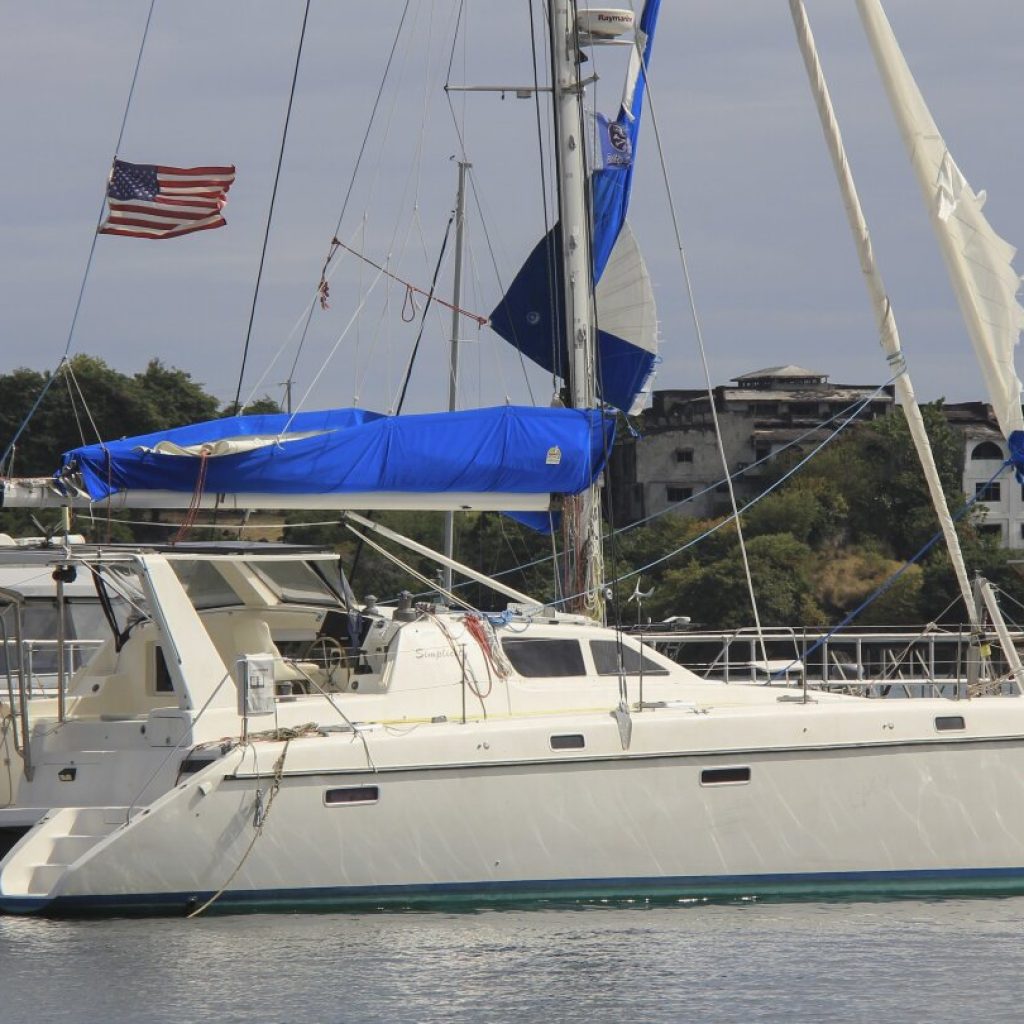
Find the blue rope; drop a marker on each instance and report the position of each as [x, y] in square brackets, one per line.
[887, 583]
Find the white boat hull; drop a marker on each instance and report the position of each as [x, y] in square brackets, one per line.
[890, 809]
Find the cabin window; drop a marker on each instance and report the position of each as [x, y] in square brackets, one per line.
[204, 585]
[535, 658]
[684, 455]
[988, 492]
[568, 741]
[724, 776]
[987, 451]
[352, 795]
[949, 723]
[162, 681]
[679, 493]
[606, 660]
[296, 581]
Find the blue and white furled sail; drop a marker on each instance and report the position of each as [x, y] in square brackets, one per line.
[509, 457]
[531, 314]
[979, 261]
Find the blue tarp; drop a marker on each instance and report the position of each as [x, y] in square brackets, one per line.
[512, 449]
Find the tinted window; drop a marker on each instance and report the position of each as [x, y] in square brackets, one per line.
[723, 776]
[352, 795]
[295, 581]
[606, 660]
[568, 741]
[162, 682]
[947, 723]
[205, 586]
[533, 658]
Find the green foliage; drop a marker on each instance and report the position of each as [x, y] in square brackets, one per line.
[715, 592]
[813, 510]
[90, 401]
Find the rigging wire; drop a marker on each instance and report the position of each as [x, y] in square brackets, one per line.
[9, 450]
[348, 192]
[699, 333]
[270, 212]
[423, 318]
[552, 254]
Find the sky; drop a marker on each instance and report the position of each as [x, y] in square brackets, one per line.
[775, 275]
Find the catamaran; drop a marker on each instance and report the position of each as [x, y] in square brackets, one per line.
[251, 735]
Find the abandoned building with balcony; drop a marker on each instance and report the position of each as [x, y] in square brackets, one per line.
[675, 462]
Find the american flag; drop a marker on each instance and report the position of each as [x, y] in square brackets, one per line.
[149, 201]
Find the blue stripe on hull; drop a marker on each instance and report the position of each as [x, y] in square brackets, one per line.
[853, 884]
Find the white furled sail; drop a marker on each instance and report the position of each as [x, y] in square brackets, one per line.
[888, 333]
[978, 260]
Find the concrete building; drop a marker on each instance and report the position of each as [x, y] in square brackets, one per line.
[675, 461]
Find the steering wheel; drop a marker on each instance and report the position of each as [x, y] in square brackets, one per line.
[328, 653]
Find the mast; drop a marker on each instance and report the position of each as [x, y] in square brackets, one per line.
[578, 275]
[453, 371]
[887, 330]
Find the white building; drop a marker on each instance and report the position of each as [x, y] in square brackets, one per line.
[985, 453]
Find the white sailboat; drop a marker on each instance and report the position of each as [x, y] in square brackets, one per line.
[249, 736]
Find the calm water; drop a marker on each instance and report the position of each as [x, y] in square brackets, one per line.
[955, 960]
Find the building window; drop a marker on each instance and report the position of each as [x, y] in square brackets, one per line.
[679, 493]
[762, 449]
[990, 530]
[767, 409]
[803, 408]
[988, 492]
[987, 451]
[684, 455]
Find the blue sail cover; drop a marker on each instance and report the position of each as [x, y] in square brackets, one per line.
[508, 449]
[531, 314]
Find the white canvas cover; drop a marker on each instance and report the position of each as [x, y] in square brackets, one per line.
[978, 260]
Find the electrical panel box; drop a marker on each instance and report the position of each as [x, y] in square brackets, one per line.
[256, 684]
